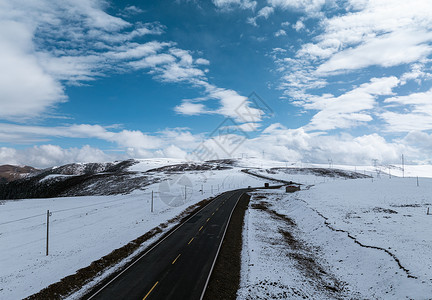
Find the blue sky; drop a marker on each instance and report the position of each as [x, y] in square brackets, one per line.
[103, 80]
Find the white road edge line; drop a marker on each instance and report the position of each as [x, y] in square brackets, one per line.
[118, 275]
[220, 245]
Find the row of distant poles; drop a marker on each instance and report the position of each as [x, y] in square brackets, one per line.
[375, 164]
[185, 193]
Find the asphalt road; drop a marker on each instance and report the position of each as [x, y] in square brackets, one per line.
[179, 266]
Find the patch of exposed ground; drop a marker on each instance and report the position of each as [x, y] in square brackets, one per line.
[75, 282]
[225, 279]
[209, 165]
[247, 171]
[306, 258]
[322, 172]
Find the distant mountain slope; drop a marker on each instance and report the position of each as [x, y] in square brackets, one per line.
[77, 180]
[97, 179]
[10, 173]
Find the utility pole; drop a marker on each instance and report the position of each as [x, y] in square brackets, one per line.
[375, 164]
[403, 167]
[152, 203]
[47, 237]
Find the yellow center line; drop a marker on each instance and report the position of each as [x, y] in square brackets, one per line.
[217, 209]
[208, 219]
[151, 290]
[191, 241]
[212, 213]
[201, 228]
[176, 259]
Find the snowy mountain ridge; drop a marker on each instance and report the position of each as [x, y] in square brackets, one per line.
[91, 179]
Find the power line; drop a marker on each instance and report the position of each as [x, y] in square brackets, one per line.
[68, 209]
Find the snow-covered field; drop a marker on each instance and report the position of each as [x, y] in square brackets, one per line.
[356, 238]
[83, 229]
[337, 238]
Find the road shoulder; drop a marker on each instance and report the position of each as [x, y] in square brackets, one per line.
[225, 278]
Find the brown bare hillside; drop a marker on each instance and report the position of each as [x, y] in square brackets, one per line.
[10, 173]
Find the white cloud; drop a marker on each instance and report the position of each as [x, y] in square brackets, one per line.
[179, 73]
[372, 37]
[51, 155]
[309, 6]
[180, 137]
[234, 105]
[276, 141]
[296, 144]
[280, 32]
[378, 32]
[280, 143]
[132, 51]
[417, 74]
[347, 110]
[420, 140]
[265, 12]
[387, 50]
[190, 109]
[152, 61]
[299, 25]
[416, 115]
[133, 10]
[93, 44]
[44, 43]
[123, 138]
[246, 127]
[202, 61]
[173, 151]
[381, 33]
[26, 89]
[230, 4]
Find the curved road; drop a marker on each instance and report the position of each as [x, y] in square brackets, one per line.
[180, 265]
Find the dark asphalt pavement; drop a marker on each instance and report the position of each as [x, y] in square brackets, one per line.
[178, 267]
